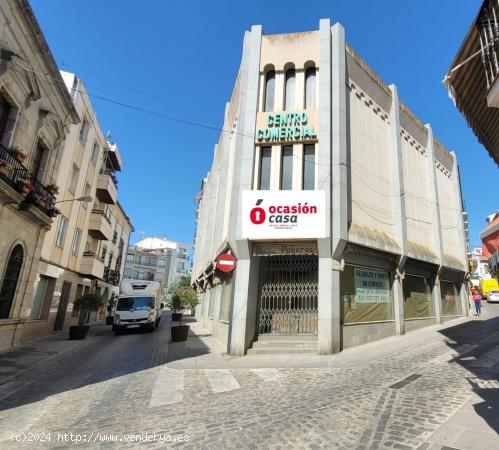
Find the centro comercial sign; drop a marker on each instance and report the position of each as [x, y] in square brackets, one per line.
[286, 127]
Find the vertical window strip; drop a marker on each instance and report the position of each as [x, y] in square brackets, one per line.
[289, 98]
[309, 167]
[265, 163]
[310, 80]
[269, 91]
[287, 168]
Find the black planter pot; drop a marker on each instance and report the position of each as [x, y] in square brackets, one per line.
[176, 317]
[109, 320]
[179, 333]
[78, 332]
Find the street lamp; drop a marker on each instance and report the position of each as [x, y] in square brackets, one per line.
[85, 199]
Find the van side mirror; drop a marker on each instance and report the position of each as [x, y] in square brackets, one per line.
[162, 305]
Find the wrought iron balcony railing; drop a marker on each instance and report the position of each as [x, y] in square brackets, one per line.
[17, 176]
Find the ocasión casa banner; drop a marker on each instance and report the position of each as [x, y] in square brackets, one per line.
[283, 214]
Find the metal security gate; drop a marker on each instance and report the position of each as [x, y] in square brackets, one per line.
[288, 295]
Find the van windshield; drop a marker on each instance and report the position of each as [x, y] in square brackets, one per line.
[126, 304]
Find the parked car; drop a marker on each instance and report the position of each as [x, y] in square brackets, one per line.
[493, 296]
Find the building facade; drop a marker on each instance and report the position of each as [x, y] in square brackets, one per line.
[36, 113]
[473, 77]
[157, 259]
[342, 209]
[84, 249]
[490, 244]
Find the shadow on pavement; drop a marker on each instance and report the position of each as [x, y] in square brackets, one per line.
[33, 373]
[482, 362]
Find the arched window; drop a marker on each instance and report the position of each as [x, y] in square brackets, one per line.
[10, 279]
[269, 90]
[289, 99]
[310, 88]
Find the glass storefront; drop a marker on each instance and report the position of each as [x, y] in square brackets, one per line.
[451, 301]
[366, 295]
[418, 302]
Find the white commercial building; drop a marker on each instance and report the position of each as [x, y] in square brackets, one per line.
[341, 207]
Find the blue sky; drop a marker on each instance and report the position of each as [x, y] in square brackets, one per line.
[181, 58]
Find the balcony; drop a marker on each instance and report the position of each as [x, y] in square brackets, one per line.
[107, 190]
[17, 186]
[488, 33]
[111, 276]
[91, 265]
[100, 225]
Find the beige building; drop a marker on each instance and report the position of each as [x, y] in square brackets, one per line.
[341, 207]
[36, 112]
[84, 250]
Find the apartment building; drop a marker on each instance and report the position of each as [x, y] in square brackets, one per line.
[157, 259]
[341, 208]
[83, 251]
[36, 114]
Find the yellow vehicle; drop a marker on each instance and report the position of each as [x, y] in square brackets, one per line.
[488, 285]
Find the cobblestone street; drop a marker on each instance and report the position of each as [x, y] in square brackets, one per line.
[400, 393]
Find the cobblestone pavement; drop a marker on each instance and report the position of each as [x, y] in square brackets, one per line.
[121, 389]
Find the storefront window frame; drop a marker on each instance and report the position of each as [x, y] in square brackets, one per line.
[458, 295]
[432, 299]
[392, 278]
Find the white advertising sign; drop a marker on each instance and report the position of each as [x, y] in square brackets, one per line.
[371, 286]
[283, 214]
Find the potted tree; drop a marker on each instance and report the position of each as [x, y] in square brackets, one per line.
[84, 304]
[177, 307]
[181, 297]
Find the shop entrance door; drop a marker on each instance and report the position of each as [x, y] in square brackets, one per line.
[288, 295]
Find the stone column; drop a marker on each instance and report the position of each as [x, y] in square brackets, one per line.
[325, 289]
[339, 173]
[435, 212]
[399, 210]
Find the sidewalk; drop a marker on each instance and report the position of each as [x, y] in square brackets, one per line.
[203, 351]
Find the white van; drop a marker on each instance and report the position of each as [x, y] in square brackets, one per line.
[139, 306]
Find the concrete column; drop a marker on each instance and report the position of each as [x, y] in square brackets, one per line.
[339, 144]
[326, 313]
[398, 304]
[435, 212]
[246, 272]
[437, 300]
[399, 210]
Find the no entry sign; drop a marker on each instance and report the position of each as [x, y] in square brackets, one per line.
[226, 263]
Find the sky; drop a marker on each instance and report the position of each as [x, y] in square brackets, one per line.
[181, 58]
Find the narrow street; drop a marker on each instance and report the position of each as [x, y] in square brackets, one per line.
[419, 391]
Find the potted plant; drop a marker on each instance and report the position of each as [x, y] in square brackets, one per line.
[176, 306]
[84, 304]
[5, 167]
[25, 186]
[181, 297]
[19, 155]
[53, 212]
[53, 189]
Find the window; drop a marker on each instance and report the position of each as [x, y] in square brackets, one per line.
[211, 307]
[127, 273]
[287, 168]
[76, 242]
[180, 267]
[289, 97]
[84, 131]
[269, 91]
[103, 253]
[61, 231]
[8, 115]
[310, 88]
[129, 258]
[265, 156]
[9, 283]
[417, 297]
[39, 162]
[226, 298]
[74, 180]
[161, 262]
[309, 167]
[365, 295]
[451, 302]
[95, 153]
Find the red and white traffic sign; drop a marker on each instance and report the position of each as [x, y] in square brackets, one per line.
[226, 262]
